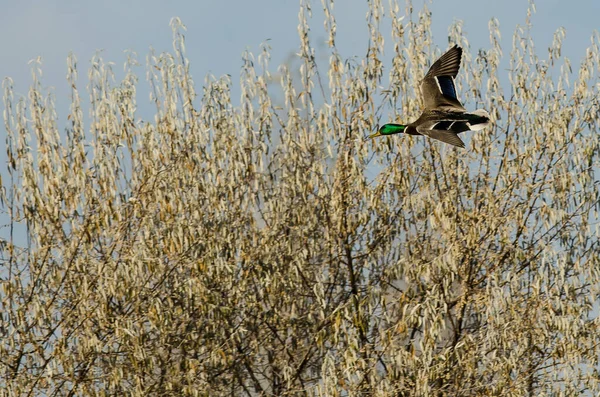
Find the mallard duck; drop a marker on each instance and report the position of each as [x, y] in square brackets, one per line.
[444, 117]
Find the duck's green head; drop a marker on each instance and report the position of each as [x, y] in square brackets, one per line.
[389, 129]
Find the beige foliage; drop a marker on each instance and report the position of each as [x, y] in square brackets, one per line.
[264, 248]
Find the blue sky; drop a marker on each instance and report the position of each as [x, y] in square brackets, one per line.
[219, 31]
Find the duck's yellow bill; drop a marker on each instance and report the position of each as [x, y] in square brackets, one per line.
[375, 135]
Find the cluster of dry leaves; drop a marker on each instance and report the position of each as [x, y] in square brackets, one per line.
[261, 247]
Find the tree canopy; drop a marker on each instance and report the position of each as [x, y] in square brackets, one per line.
[263, 247]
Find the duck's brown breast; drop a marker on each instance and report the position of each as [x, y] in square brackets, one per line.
[411, 130]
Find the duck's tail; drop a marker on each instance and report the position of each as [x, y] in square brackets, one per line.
[480, 119]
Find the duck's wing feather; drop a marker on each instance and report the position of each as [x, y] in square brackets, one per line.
[437, 87]
[444, 130]
[446, 137]
[448, 64]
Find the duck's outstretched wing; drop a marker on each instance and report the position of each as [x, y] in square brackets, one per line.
[445, 130]
[437, 87]
[446, 137]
